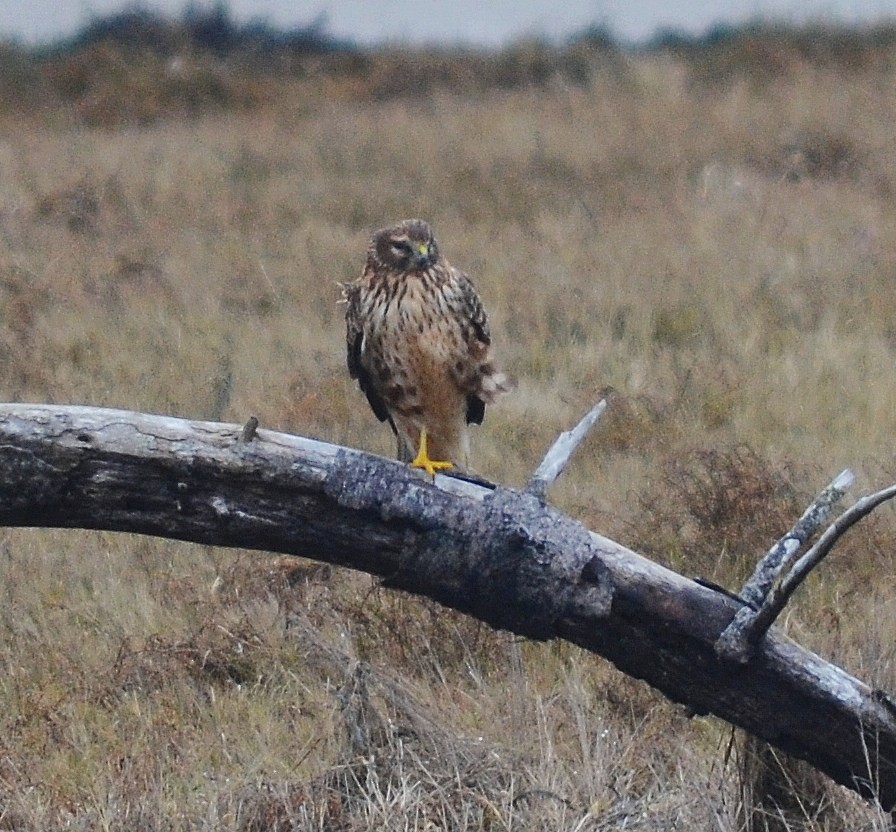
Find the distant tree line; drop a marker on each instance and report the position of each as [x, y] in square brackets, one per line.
[139, 66]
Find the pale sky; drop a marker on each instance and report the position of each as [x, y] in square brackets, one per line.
[481, 22]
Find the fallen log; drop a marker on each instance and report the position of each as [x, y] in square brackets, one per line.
[505, 557]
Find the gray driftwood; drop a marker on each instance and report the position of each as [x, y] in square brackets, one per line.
[502, 556]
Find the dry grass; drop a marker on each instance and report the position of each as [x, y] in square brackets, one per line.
[721, 254]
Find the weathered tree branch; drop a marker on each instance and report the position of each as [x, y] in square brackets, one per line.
[780, 594]
[501, 556]
[782, 553]
[763, 598]
[563, 448]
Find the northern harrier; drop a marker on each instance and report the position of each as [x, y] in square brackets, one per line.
[418, 343]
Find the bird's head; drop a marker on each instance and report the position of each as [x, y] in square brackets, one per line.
[409, 246]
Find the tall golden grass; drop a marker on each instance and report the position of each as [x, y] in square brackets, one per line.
[716, 247]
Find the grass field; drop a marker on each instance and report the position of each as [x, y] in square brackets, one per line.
[717, 246]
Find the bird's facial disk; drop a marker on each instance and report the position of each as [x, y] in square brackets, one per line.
[413, 254]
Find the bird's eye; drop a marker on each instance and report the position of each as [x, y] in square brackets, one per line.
[401, 247]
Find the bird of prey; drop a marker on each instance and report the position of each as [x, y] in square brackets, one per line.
[419, 345]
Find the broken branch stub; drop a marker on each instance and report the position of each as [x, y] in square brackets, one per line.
[559, 453]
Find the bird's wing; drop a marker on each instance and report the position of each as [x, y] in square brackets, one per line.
[354, 329]
[478, 339]
[470, 312]
[354, 342]
[473, 310]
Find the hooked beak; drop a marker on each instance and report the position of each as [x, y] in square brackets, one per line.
[422, 255]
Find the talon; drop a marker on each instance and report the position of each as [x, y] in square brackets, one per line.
[423, 461]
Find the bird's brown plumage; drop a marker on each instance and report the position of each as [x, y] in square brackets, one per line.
[418, 343]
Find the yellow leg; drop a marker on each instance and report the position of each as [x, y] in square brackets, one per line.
[423, 461]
